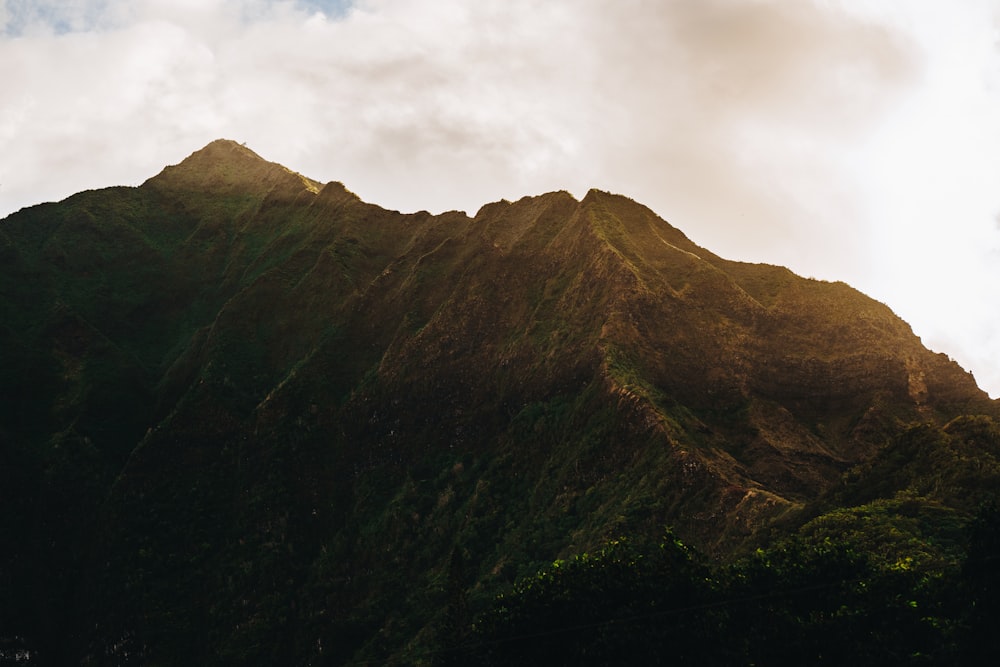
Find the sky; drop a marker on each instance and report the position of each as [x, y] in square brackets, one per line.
[848, 140]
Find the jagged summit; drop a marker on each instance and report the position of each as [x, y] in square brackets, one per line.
[222, 147]
[225, 166]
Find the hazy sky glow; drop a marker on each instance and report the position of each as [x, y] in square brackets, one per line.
[854, 140]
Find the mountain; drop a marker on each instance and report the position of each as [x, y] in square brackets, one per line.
[247, 417]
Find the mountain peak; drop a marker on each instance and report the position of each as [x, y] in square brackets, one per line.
[303, 397]
[225, 166]
[227, 150]
[224, 152]
[228, 144]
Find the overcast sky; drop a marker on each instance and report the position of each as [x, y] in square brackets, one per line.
[853, 140]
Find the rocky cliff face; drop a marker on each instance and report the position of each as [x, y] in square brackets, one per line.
[233, 384]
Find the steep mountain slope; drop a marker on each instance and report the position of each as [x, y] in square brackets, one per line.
[249, 416]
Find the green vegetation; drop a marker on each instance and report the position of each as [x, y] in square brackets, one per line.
[245, 419]
[793, 604]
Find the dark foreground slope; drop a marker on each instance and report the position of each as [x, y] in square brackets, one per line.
[249, 418]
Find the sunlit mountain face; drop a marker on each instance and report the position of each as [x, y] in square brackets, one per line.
[247, 417]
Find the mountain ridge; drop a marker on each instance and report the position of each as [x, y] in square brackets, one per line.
[237, 384]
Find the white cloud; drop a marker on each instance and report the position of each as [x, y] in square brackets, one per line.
[774, 130]
[930, 178]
